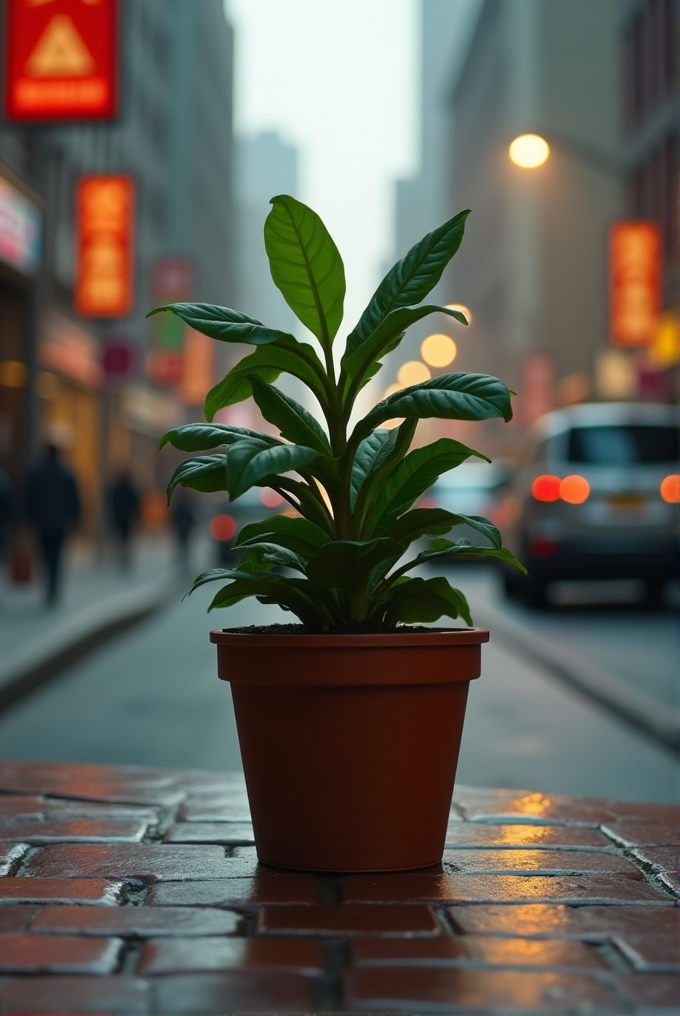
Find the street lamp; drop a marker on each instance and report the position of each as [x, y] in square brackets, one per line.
[529, 151]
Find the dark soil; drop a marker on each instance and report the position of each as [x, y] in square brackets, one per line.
[360, 628]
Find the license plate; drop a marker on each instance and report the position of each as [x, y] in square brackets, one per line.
[633, 503]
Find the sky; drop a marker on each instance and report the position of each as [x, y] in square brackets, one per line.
[338, 79]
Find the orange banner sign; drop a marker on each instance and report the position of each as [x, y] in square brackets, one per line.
[61, 60]
[105, 227]
[634, 282]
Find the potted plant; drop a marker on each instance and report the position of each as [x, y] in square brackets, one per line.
[349, 721]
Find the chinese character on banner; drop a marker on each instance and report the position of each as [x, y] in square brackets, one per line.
[61, 60]
[635, 282]
[105, 230]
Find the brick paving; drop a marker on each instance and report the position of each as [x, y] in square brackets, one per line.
[137, 892]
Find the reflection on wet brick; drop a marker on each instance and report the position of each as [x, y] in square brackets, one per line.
[632, 834]
[463, 991]
[563, 954]
[539, 920]
[200, 955]
[546, 862]
[233, 992]
[229, 833]
[139, 862]
[479, 804]
[57, 954]
[348, 920]
[264, 887]
[462, 888]
[478, 834]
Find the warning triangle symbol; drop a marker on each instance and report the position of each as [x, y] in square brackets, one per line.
[60, 52]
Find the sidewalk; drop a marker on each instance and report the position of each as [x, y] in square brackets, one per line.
[98, 600]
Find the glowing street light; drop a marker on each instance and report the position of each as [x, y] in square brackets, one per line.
[438, 350]
[412, 373]
[529, 151]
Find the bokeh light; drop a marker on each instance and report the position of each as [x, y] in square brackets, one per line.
[413, 372]
[438, 350]
[546, 487]
[222, 528]
[670, 488]
[270, 498]
[529, 151]
[574, 489]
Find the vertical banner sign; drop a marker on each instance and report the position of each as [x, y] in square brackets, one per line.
[634, 282]
[61, 60]
[172, 281]
[105, 230]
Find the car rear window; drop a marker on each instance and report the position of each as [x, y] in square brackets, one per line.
[623, 445]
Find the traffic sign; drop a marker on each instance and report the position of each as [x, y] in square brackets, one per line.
[61, 60]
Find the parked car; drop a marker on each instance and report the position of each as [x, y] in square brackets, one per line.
[596, 496]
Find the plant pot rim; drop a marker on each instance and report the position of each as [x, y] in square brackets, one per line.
[334, 640]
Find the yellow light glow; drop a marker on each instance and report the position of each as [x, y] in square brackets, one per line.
[462, 309]
[529, 151]
[438, 350]
[413, 373]
[13, 374]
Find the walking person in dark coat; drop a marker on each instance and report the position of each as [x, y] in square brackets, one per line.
[52, 506]
[183, 515]
[124, 513]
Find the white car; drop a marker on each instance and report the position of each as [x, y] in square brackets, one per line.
[598, 496]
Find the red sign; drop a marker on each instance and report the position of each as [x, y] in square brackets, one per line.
[61, 60]
[635, 282]
[105, 230]
[165, 368]
[118, 360]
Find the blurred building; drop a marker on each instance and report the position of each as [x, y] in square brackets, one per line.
[174, 137]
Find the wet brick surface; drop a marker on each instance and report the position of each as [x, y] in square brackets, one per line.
[543, 904]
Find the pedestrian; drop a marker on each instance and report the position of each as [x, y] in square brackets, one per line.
[52, 507]
[183, 515]
[123, 504]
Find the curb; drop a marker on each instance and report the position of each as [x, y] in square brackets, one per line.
[640, 710]
[88, 630]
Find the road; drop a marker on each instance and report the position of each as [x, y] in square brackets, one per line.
[152, 697]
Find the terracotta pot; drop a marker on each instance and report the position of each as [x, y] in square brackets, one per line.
[350, 742]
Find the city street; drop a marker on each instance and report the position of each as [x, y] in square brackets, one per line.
[152, 697]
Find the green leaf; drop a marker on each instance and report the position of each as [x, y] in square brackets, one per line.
[421, 522]
[250, 461]
[206, 473]
[370, 455]
[296, 595]
[347, 564]
[306, 266]
[443, 550]
[417, 601]
[293, 420]
[414, 474]
[412, 278]
[297, 534]
[449, 397]
[271, 554]
[223, 323]
[392, 451]
[388, 334]
[195, 437]
[296, 358]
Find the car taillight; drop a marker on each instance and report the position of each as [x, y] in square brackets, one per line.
[670, 488]
[542, 546]
[222, 528]
[574, 489]
[546, 487]
[270, 498]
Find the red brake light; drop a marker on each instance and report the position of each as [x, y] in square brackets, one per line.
[542, 546]
[223, 528]
[270, 498]
[574, 489]
[546, 487]
[670, 489]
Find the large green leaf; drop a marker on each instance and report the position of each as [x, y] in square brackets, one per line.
[293, 420]
[297, 534]
[206, 473]
[250, 461]
[387, 335]
[449, 397]
[296, 358]
[347, 564]
[414, 474]
[412, 278]
[306, 266]
[312, 606]
[446, 550]
[223, 323]
[371, 451]
[414, 601]
[436, 521]
[269, 554]
[195, 437]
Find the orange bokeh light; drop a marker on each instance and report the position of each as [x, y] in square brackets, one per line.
[574, 489]
[270, 498]
[223, 528]
[546, 487]
[670, 488]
